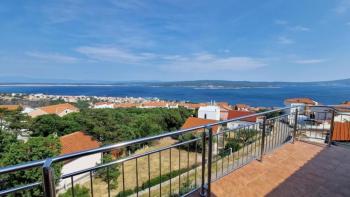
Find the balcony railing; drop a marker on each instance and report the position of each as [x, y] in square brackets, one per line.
[182, 168]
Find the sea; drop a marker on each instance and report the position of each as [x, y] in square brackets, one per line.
[263, 96]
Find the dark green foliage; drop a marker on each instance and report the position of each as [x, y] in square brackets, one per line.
[190, 136]
[270, 114]
[233, 144]
[125, 193]
[112, 125]
[13, 120]
[246, 136]
[112, 171]
[184, 189]
[45, 125]
[82, 104]
[18, 152]
[52, 124]
[79, 191]
[157, 180]
[241, 139]
[6, 139]
[58, 101]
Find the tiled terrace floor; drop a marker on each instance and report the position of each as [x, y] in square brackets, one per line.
[299, 169]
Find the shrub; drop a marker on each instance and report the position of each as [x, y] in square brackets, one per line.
[79, 191]
[156, 180]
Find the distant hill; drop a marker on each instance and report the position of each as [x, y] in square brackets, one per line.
[193, 84]
[242, 84]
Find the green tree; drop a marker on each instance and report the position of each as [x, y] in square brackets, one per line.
[246, 136]
[233, 144]
[110, 173]
[193, 146]
[79, 191]
[18, 122]
[82, 104]
[270, 114]
[6, 139]
[34, 149]
[2, 116]
[45, 125]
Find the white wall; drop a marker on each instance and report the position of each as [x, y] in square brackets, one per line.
[321, 113]
[105, 106]
[209, 112]
[236, 124]
[345, 117]
[76, 165]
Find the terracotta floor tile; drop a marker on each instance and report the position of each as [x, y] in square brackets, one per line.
[299, 169]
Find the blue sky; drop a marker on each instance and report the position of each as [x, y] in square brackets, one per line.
[269, 40]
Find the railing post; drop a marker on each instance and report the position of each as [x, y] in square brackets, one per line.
[203, 192]
[210, 156]
[263, 139]
[331, 130]
[49, 179]
[295, 125]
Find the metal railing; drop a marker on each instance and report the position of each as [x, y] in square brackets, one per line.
[318, 123]
[178, 169]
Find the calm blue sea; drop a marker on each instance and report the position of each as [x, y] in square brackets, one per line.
[251, 96]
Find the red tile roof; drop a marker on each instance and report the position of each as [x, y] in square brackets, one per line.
[103, 103]
[307, 101]
[10, 107]
[192, 105]
[341, 131]
[242, 105]
[195, 122]
[236, 114]
[155, 104]
[346, 104]
[224, 106]
[125, 105]
[77, 141]
[57, 109]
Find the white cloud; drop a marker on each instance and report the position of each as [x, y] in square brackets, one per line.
[310, 61]
[342, 7]
[285, 40]
[114, 54]
[281, 22]
[201, 62]
[299, 28]
[206, 62]
[289, 26]
[130, 4]
[52, 57]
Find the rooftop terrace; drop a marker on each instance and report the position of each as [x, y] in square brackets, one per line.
[299, 169]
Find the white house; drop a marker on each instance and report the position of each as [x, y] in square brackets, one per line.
[59, 109]
[233, 114]
[210, 112]
[302, 104]
[75, 142]
[321, 113]
[103, 105]
[343, 117]
[299, 103]
[27, 110]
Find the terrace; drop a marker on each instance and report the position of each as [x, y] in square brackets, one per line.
[279, 155]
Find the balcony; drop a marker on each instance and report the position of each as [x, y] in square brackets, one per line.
[299, 169]
[282, 153]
